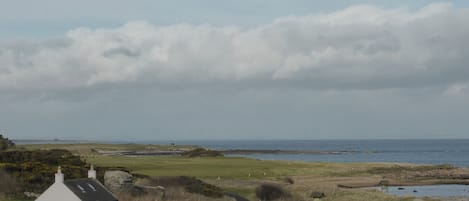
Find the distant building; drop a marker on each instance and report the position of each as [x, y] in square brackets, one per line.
[89, 189]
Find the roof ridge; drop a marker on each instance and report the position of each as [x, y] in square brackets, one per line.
[90, 189]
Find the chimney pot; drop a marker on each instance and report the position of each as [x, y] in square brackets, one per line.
[59, 177]
[92, 173]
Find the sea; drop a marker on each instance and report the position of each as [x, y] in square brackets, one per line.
[442, 151]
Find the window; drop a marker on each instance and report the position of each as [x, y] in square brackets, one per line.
[81, 188]
[92, 187]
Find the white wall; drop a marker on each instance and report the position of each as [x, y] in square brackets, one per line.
[58, 192]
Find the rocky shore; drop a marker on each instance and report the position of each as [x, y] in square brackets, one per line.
[271, 151]
[224, 152]
[413, 176]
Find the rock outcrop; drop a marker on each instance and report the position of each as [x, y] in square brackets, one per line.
[121, 182]
[118, 181]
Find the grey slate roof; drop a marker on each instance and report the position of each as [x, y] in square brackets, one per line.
[89, 190]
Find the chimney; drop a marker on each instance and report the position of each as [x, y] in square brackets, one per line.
[92, 173]
[59, 177]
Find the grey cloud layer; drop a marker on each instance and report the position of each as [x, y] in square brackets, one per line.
[360, 47]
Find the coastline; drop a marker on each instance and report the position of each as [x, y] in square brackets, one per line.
[291, 152]
[228, 152]
[425, 151]
[241, 175]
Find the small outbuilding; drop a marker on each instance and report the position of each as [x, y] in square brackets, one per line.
[87, 189]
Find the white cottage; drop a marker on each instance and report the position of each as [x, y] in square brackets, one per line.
[89, 189]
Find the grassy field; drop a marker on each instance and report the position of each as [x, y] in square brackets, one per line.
[209, 167]
[242, 175]
[227, 168]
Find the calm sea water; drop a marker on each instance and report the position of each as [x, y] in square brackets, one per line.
[454, 152]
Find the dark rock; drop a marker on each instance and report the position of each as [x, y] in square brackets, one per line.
[289, 180]
[268, 192]
[383, 182]
[401, 188]
[136, 191]
[236, 196]
[317, 194]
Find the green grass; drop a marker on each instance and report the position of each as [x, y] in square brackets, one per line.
[228, 168]
[84, 149]
[224, 167]
[207, 167]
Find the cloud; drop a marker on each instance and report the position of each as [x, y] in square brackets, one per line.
[361, 47]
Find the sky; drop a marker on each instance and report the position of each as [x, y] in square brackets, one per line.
[214, 70]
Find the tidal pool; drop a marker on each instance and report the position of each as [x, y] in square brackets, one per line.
[430, 190]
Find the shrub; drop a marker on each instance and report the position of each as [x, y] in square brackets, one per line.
[171, 194]
[5, 143]
[51, 157]
[267, 192]
[34, 170]
[8, 184]
[190, 184]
